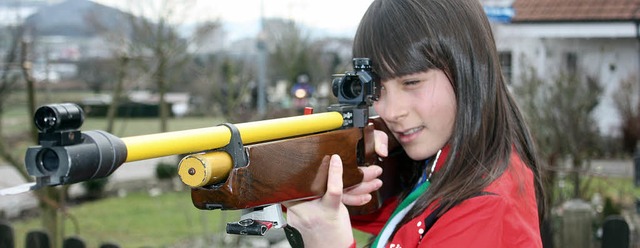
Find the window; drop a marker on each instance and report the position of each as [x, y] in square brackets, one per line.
[571, 63]
[505, 63]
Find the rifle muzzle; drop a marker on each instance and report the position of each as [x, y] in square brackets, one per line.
[97, 156]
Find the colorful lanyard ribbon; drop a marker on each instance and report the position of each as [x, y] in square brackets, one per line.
[405, 206]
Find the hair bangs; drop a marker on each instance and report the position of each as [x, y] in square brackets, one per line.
[396, 50]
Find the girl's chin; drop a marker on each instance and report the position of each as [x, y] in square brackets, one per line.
[418, 155]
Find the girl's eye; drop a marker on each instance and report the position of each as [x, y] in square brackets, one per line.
[379, 93]
[411, 82]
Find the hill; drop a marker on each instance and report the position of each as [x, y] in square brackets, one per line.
[76, 18]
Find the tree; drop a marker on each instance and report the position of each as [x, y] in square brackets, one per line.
[627, 102]
[289, 55]
[116, 94]
[150, 45]
[118, 35]
[222, 86]
[16, 65]
[330, 56]
[292, 52]
[159, 48]
[228, 79]
[559, 113]
[163, 51]
[10, 76]
[97, 73]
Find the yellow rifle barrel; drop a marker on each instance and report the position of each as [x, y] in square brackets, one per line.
[202, 139]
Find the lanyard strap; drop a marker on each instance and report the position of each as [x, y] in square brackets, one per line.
[405, 206]
[399, 213]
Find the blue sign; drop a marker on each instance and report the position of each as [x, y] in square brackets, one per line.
[499, 14]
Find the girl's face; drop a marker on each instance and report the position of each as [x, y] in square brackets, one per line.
[420, 110]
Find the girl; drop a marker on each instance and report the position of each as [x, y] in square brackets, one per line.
[444, 99]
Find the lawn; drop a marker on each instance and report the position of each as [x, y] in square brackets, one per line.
[138, 220]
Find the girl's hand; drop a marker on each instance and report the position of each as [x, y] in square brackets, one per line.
[361, 194]
[323, 222]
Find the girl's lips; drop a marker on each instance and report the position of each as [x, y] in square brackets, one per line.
[409, 135]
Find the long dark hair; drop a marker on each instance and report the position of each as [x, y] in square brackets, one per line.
[408, 36]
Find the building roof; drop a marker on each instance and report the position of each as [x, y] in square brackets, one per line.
[576, 10]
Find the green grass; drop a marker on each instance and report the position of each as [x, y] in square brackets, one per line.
[621, 190]
[138, 220]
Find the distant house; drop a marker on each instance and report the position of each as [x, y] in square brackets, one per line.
[137, 104]
[67, 32]
[597, 38]
[74, 29]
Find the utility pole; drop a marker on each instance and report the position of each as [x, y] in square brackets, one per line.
[637, 153]
[262, 64]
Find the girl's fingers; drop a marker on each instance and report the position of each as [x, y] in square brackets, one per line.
[381, 141]
[361, 194]
[333, 197]
[370, 172]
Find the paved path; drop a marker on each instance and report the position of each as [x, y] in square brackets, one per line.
[13, 205]
[613, 168]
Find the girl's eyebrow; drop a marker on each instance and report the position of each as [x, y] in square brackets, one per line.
[409, 76]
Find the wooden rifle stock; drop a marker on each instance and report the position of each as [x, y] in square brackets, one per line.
[296, 168]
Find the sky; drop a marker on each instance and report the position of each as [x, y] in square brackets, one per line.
[334, 17]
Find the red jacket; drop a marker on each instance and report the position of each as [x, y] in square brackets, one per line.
[505, 217]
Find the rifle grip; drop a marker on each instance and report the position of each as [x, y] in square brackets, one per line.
[393, 167]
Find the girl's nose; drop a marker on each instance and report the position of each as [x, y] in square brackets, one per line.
[392, 108]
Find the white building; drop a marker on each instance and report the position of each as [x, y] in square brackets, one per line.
[596, 37]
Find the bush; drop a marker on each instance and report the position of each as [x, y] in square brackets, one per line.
[95, 188]
[610, 208]
[166, 171]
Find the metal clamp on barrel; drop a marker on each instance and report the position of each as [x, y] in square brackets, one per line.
[235, 148]
[212, 167]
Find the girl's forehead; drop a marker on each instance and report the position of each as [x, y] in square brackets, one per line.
[404, 74]
[404, 60]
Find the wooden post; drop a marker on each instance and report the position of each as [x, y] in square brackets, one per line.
[575, 225]
[615, 232]
[37, 239]
[73, 242]
[6, 235]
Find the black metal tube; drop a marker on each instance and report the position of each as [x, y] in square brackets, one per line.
[99, 155]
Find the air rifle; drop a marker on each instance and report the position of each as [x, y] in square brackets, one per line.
[251, 166]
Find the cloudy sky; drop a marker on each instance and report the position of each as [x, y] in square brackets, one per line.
[329, 16]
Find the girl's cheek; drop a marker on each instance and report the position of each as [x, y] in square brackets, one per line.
[377, 106]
